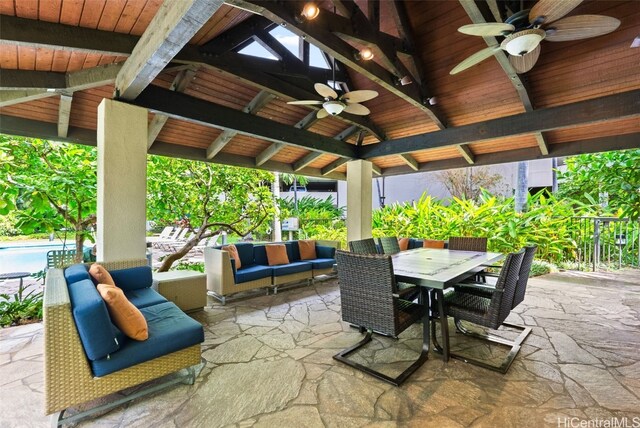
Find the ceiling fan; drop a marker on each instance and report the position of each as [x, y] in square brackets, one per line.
[334, 105]
[523, 31]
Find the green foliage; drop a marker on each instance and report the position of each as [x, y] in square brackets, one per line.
[21, 308]
[319, 218]
[540, 267]
[547, 223]
[196, 266]
[48, 185]
[616, 173]
[8, 225]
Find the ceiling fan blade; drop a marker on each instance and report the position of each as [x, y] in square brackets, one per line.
[358, 109]
[524, 63]
[475, 59]
[305, 102]
[551, 10]
[325, 91]
[581, 27]
[487, 29]
[322, 113]
[359, 96]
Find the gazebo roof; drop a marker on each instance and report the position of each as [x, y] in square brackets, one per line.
[180, 60]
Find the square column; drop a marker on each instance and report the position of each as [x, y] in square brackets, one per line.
[359, 200]
[122, 181]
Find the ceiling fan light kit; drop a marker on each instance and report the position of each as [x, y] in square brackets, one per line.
[523, 42]
[334, 108]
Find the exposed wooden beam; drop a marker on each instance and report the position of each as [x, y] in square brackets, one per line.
[376, 169]
[307, 121]
[410, 161]
[342, 136]
[179, 84]
[64, 113]
[261, 99]
[333, 166]
[617, 106]
[269, 152]
[399, 15]
[315, 32]
[306, 161]
[345, 8]
[173, 25]
[544, 147]
[466, 153]
[31, 79]
[74, 81]
[238, 35]
[373, 13]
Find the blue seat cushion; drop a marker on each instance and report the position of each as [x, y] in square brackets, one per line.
[294, 267]
[132, 278]
[251, 273]
[144, 297]
[97, 334]
[75, 273]
[170, 330]
[245, 251]
[322, 263]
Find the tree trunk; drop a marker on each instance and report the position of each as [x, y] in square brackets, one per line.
[79, 246]
[277, 227]
[169, 260]
[522, 187]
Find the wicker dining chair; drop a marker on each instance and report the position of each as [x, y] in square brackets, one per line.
[467, 243]
[371, 302]
[389, 245]
[487, 312]
[363, 246]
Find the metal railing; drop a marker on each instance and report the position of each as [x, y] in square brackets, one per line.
[606, 242]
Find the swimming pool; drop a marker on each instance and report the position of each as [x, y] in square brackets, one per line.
[26, 258]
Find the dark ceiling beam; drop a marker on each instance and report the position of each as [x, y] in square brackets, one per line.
[191, 109]
[12, 125]
[617, 106]
[64, 114]
[74, 81]
[466, 153]
[30, 79]
[316, 32]
[399, 15]
[179, 84]
[171, 28]
[373, 13]
[27, 32]
[238, 35]
[594, 145]
[261, 99]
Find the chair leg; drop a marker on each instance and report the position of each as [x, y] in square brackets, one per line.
[506, 363]
[397, 381]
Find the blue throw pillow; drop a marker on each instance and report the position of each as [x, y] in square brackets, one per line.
[75, 273]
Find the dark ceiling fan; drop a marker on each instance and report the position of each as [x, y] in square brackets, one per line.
[524, 30]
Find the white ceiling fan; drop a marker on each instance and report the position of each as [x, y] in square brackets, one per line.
[334, 105]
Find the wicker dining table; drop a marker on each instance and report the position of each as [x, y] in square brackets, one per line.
[434, 270]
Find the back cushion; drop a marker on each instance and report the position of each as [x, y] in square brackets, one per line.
[75, 273]
[277, 254]
[245, 251]
[133, 278]
[97, 334]
[293, 250]
[260, 255]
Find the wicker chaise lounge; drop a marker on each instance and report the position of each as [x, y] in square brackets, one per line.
[69, 378]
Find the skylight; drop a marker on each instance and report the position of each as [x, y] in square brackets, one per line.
[255, 49]
[287, 39]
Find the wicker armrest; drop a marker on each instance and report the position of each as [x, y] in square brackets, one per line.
[478, 286]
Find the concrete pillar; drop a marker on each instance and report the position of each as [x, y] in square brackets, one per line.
[359, 200]
[122, 181]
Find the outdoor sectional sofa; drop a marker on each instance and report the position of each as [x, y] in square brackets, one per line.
[224, 279]
[87, 357]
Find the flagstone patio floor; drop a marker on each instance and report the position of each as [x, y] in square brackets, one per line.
[269, 364]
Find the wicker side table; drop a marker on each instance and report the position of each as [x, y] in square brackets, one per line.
[187, 289]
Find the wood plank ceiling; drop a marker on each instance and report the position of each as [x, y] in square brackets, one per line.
[47, 36]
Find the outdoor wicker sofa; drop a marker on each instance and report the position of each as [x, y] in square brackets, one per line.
[83, 359]
[224, 279]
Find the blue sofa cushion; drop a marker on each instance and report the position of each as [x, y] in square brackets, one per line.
[132, 278]
[92, 320]
[170, 330]
[322, 263]
[245, 251]
[294, 267]
[325, 252]
[252, 273]
[75, 273]
[260, 255]
[144, 297]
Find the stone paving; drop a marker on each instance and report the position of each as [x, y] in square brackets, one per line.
[269, 364]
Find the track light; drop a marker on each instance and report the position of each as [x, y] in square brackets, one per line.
[365, 54]
[309, 11]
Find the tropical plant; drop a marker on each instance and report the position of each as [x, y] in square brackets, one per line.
[319, 218]
[49, 186]
[20, 308]
[206, 198]
[614, 174]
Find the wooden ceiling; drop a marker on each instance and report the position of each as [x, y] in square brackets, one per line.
[60, 58]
